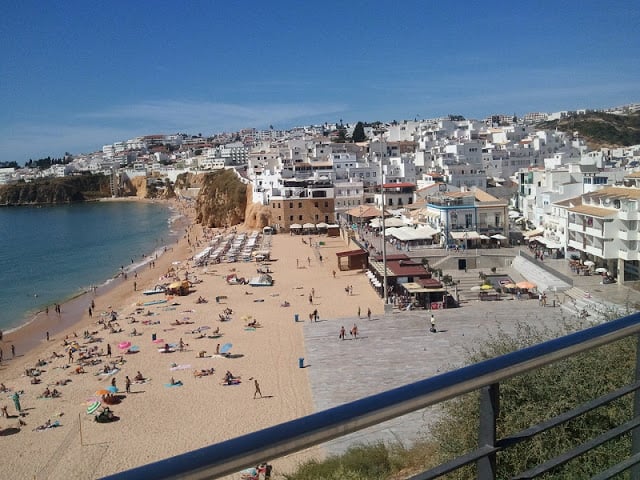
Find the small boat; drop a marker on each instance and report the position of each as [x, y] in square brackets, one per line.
[262, 280]
[157, 289]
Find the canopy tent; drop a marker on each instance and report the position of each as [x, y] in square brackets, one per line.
[407, 234]
[484, 237]
[308, 226]
[295, 226]
[497, 236]
[388, 222]
[547, 242]
[472, 235]
[322, 225]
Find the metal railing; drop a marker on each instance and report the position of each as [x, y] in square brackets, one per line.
[248, 450]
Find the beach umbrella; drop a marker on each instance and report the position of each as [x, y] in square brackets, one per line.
[589, 263]
[93, 407]
[112, 389]
[510, 285]
[486, 287]
[124, 345]
[102, 392]
[226, 348]
[601, 270]
[525, 285]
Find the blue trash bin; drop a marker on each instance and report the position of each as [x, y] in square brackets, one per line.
[296, 317]
[301, 362]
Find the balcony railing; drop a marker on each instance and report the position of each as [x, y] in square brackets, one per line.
[248, 450]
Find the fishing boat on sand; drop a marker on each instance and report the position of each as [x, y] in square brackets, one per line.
[155, 290]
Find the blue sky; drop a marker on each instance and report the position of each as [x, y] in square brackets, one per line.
[75, 75]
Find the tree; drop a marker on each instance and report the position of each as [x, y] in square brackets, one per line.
[358, 133]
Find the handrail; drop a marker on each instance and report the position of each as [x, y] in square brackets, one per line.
[233, 455]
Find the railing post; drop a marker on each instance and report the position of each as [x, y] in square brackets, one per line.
[635, 434]
[489, 409]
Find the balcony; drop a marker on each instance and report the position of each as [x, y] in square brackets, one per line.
[486, 378]
[628, 235]
[628, 255]
[628, 215]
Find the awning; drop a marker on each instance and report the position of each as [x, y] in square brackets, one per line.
[465, 235]
[295, 226]
[533, 233]
[497, 236]
[308, 226]
[322, 225]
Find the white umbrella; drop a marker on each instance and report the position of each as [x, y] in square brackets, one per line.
[589, 263]
[295, 226]
[601, 270]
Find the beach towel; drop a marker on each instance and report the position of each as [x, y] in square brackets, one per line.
[235, 381]
[177, 384]
[162, 350]
[110, 372]
[180, 367]
[250, 329]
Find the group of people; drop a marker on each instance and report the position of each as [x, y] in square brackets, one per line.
[353, 332]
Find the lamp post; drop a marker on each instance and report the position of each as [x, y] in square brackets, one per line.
[384, 240]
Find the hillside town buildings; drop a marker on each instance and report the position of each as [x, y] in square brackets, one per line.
[459, 183]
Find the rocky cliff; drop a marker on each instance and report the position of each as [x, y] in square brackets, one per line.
[222, 200]
[55, 190]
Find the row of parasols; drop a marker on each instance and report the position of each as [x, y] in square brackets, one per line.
[507, 286]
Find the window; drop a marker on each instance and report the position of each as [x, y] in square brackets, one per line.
[317, 216]
[468, 220]
[299, 204]
[326, 204]
[299, 217]
[291, 218]
[290, 204]
[316, 204]
[279, 218]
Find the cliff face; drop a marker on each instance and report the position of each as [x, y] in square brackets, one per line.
[55, 190]
[222, 200]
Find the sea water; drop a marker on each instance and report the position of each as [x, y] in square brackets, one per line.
[51, 254]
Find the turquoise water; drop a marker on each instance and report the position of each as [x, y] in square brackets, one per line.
[50, 254]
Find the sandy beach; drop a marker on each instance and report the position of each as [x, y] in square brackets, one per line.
[156, 420]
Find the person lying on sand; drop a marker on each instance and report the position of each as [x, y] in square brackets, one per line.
[203, 372]
[254, 323]
[139, 377]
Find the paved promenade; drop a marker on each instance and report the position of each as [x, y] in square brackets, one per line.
[398, 349]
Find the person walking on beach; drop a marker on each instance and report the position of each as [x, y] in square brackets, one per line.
[108, 349]
[433, 324]
[135, 286]
[257, 392]
[354, 332]
[342, 333]
[13, 350]
[369, 313]
[90, 312]
[358, 312]
[47, 336]
[127, 384]
[310, 299]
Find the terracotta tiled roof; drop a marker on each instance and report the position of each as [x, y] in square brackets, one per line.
[593, 211]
